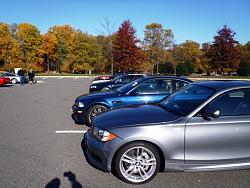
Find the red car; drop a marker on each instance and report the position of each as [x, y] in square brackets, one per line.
[4, 80]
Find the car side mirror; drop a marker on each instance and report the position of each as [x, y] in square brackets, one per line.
[134, 92]
[209, 113]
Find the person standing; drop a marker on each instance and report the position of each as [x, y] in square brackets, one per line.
[21, 74]
[31, 75]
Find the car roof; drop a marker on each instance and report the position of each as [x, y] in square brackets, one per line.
[219, 85]
[170, 77]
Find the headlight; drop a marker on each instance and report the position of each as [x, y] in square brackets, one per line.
[102, 135]
[93, 87]
[80, 104]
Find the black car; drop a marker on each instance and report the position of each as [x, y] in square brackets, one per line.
[115, 83]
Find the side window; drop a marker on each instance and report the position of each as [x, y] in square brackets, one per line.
[126, 79]
[178, 84]
[233, 103]
[157, 86]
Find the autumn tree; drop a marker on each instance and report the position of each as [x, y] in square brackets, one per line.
[11, 55]
[84, 53]
[244, 67]
[187, 57]
[224, 52]
[127, 55]
[156, 41]
[30, 40]
[50, 49]
[106, 45]
[58, 41]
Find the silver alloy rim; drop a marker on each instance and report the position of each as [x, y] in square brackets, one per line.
[96, 111]
[137, 164]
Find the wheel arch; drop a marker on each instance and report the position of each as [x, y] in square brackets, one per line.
[97, 103]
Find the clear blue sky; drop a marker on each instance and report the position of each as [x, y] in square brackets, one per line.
[196, 20]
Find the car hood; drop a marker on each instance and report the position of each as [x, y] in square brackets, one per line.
[96, 95]
[134, 116]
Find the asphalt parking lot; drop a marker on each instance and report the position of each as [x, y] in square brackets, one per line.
[36, 152]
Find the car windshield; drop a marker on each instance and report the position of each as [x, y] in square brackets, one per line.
[186, 100]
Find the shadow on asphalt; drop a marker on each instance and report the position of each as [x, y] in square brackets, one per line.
[55, 183]
[9, 85]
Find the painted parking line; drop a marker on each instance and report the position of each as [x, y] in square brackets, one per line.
[44, 78]
[70, 131]
[76, 78]
[60, 78]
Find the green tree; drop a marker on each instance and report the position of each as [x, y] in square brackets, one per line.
[106, 45]
[244, 67]
[84, 53]
[156, 41]
[188, 55]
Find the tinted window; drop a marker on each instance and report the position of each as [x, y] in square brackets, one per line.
[129, 78]
[233, 103]
[126, 79]
[177, 85]
[186, 100]
[155, 86]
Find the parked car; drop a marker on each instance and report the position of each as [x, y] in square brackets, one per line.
[145, 90]
[14, 78]
[115, 83]
[103, 78]
[203, 127]
[4, 80]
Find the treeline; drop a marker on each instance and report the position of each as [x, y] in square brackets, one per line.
[65, 49]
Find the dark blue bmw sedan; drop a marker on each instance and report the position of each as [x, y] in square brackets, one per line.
[146, 90]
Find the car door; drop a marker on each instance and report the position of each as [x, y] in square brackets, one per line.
[224, 139]
[152, 90]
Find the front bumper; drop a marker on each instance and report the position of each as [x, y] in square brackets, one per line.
[78, 114]
[98, 153]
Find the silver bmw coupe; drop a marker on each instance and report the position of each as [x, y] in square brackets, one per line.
[203, 127]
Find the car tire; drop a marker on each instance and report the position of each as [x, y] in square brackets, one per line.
[94, 111]
[137, 163]
[13, 81]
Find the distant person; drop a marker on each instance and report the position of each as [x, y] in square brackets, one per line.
[31, 75]
[21, 74]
